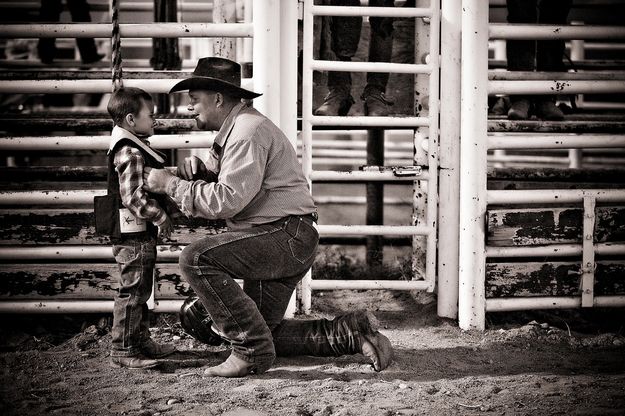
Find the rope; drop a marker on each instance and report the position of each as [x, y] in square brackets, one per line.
[116, 47]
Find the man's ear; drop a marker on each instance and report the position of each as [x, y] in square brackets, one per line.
[130, 119]
[219, 99]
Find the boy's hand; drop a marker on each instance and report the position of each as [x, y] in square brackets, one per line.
[156, 180]
[191, 168]
[166, 228]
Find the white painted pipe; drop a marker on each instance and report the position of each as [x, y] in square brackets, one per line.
[551, 87]
[366, 121]
[368, 284]
[130, 6]
[564, 302]
[550, 32]
[61, 252]
[93, 86]
[266, 54]
[553, 250]
[38, 143]
[358, 176]
[473, 132]
[49, 197]
[355, 200]
[553, 141]
[449, 189]
[343, 66]
[306, 128]
[553, 196]
[355, 162]
[336, 230]
[127, 30]
[77, 306]
[370, 11]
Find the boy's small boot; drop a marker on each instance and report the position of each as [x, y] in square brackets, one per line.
[153, 349]
[376, 103]
[547, 110]
[133, 362]
[519, 109]
[337, 103]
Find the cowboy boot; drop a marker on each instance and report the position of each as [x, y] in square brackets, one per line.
[376, 103]
[336, 103]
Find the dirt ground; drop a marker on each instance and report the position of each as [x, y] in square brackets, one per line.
[556, 364]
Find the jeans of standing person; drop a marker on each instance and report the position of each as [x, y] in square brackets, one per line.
[346, 36]
[136, 259]
[270, 259]
[542, 55]
[51, 13]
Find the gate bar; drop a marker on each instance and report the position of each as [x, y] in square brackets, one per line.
[127, 30]
[549, 302]
[473, 133]
[550, 32]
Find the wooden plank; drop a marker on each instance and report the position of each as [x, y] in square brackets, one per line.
[539, 226]
[551, 279]
[80, 281]
[76, 226]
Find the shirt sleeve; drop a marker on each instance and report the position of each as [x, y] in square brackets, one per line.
[129, 165]
[239, 181]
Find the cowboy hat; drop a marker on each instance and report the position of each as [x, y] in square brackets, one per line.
[216, 74]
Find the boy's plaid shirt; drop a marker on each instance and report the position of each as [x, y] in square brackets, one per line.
[129, 165]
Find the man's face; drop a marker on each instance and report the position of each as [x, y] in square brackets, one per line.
[203, 106]
[144, 120]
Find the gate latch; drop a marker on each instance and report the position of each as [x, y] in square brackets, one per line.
[401, 171]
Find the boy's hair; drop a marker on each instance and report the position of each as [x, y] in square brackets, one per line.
[126, 100]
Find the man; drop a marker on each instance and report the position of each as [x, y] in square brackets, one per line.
[262, 193]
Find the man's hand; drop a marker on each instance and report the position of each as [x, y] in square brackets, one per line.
[156, 180]
[191, 168]
[166, 228]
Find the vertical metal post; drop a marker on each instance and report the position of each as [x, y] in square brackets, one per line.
[266, 54]
[306, 129]
[375, 198]
[473, 131]
[449, 190]
[588, 253]
[420, 189]
[577, 54]
[288, 69]
[288, 85]
[433, 144]
[224, 11]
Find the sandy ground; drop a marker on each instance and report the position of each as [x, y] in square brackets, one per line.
[52, 366]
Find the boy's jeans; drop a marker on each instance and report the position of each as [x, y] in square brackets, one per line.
[270, 259]
[130, 314]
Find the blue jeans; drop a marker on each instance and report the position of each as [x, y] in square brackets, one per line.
[270, 259]
[136, 261]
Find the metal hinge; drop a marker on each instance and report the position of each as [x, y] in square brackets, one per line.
[397, 170]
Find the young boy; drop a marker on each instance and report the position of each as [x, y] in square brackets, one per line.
[142, 217]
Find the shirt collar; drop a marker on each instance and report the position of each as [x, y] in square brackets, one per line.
[120, 133]
[226, 127]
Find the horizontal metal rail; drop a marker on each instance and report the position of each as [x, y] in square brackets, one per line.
[163, 141]
[556, 87]
[130, 6]
[361, 176]
[342, 66]
[127, 30]
[553, 196]
[553, 250]
[94, 86]
[552, 141]
[545, 32]
[335, 230]
[369, 284]
[366, 121]
[49, 197]
[65, 252]
[539, 302]
[77, 306]
[561, 76]
[370, 11]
